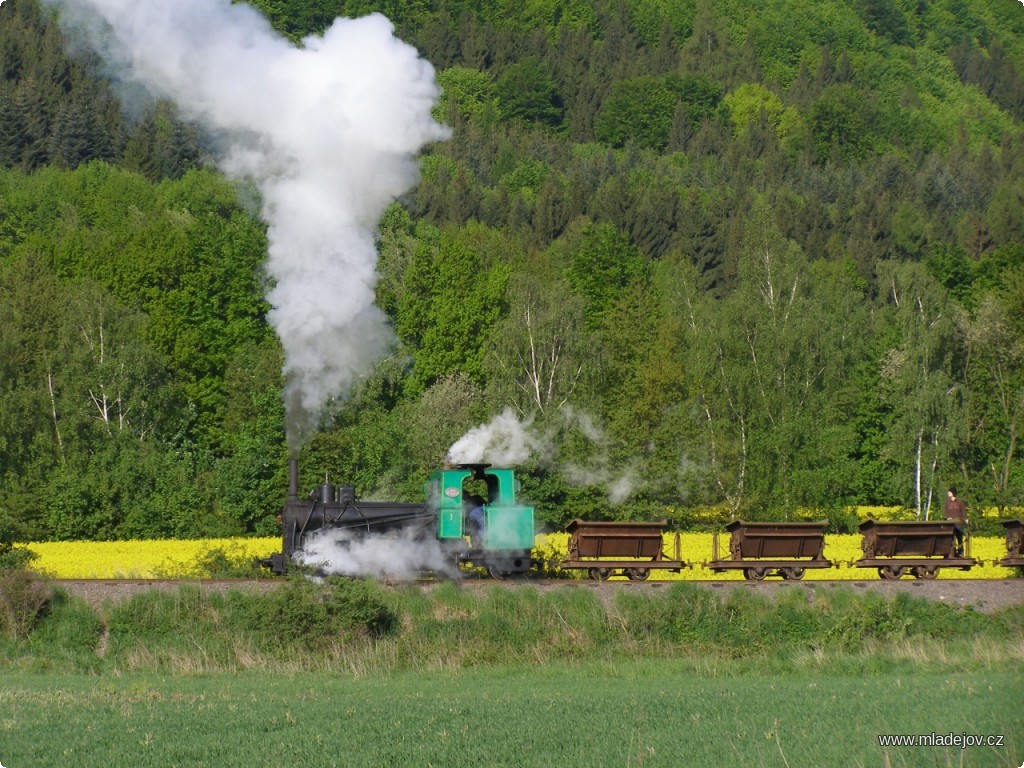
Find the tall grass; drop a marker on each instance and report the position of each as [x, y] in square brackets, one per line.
[362, 627]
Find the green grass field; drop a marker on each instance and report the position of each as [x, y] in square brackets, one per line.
[352, 673]
[652, 712]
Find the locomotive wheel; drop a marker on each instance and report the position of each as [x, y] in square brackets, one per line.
[793, 574]
[600, 574]
[755, 574]
[501, 574]
[638, 574]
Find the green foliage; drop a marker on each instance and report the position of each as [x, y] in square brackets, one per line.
[466, 92]
[527, 91]
[838, 124]
[539, 350]
[133, 378]
[698, 96]
[315, 615]
[452, 297]
[351, 626]
[11, 531]
[592, 241]
[637, 111]
[750, 101]
[918, 381]
[650, 16]
[57, 108]
[67, 637]
[225, 563]
[559, 501]
[602, 266]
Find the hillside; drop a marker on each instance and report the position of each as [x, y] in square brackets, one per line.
[766, 257]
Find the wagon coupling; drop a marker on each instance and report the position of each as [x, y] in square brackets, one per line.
[1014, 542]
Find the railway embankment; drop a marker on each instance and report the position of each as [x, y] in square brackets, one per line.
[984, 595]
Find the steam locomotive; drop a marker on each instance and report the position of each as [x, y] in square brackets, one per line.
[471, 516]
[500, 540]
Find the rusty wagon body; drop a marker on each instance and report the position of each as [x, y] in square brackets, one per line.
[760, 549]
[918, 547]
[634, 548]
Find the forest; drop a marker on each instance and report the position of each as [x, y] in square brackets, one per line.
[717, 259]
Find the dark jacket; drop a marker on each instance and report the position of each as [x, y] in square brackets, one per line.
[955, 510]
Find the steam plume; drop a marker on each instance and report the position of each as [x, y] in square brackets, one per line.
[504, 441]
[402, 556]
[329, 132]
[507, 441]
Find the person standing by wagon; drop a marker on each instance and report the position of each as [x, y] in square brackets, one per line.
[957, 512]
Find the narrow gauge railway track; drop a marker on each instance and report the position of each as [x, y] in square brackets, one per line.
[984, 595]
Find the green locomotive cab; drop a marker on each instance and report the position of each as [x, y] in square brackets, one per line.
[479, 502]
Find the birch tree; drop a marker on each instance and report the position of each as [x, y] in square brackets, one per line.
[769, 366]
[919, 380]
[539, 349]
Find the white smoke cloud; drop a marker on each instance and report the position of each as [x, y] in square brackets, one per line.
[504, 441]
[619, 485]
[401, 556]
[621, 488]
[584, 422]
[329, 132]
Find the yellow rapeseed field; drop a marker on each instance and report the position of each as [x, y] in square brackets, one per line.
[167, 558]
[159, 558]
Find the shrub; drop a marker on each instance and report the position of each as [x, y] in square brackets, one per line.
[24, 600]
[316, 613]
[10, 555]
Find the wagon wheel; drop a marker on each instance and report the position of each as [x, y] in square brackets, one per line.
[890, 572]
[794, 574]
[638, 574]
[755, 574]
[600, 574]
[925, 572]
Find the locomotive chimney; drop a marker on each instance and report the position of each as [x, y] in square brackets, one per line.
[293, 479]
